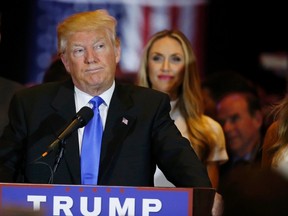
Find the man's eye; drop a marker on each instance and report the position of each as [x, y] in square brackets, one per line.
[99, 46]
[221, 122]
[78, 52]
[234, 118]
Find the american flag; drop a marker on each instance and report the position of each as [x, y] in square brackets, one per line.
[137, 21]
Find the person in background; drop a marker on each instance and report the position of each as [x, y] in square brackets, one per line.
[275, 144]
[240, 115]
[269, 89]
[219, 83]
[168, 65]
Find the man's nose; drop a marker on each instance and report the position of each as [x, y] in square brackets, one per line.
[90, 56]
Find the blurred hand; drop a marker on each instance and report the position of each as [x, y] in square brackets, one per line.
[218, 205]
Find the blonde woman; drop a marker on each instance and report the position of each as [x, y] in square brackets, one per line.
[168, 64]
[275, 146]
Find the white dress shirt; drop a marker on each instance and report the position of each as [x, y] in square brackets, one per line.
[82, 99]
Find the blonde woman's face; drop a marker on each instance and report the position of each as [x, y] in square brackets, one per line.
[166, 66]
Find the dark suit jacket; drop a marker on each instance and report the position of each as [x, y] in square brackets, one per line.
[129, 151]
[7, 89]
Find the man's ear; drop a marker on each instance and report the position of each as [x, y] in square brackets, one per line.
[259, 118]
[117, 50]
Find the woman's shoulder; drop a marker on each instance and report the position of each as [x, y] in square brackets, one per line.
[218, 150]
[213, 127]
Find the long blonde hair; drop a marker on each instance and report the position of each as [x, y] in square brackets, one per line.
[190, 101]
[280, 112]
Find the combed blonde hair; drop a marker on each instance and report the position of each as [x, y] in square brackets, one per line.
[190, 101]
[86, 21]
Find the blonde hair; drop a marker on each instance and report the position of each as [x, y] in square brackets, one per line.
[190, 101]
[86, 21]
[280, 112]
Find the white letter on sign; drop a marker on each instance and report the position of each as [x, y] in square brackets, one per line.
[150, 205]
[84, 206]
[62, 203]
[36, 201]
[115, 206]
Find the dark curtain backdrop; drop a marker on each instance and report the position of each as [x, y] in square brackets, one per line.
[238, 32]
[15, 17]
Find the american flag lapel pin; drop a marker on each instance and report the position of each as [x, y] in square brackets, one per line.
[125, 121]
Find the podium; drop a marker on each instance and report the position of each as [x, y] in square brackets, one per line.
[49, 199]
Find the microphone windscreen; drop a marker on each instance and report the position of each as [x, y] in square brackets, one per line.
[84, 115]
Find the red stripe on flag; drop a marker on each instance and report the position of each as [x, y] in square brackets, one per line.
[174, 17]
[146, 24]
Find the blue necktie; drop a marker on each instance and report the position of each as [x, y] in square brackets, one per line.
[91, 145]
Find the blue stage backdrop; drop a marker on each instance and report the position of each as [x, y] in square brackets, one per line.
[137, 21]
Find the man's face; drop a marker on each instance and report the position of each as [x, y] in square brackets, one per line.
[242, 131]
[91, 59]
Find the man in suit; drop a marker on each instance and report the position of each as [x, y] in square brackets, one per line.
[239, 113]
[138, 131]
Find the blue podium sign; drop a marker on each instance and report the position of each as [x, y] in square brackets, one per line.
[97, 200]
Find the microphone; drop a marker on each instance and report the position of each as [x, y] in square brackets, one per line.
[84, 115]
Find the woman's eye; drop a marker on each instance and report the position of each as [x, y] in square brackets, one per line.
[176, 59]
[156, 58]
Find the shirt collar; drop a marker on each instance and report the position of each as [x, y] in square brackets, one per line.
[82, 98]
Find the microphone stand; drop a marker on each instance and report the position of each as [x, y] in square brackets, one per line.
[58, 159]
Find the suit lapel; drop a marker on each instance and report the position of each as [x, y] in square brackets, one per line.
[118, 124]
[64, 104]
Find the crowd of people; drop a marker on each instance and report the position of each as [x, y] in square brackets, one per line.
[168, 129]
